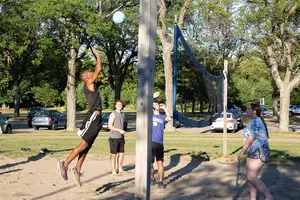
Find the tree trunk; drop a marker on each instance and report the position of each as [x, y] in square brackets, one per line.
[16, 99]
[71, 90]
[168, 87]
[275, 96]
[275, 102]
[167, 50]
[201, 106]
[193, 106]
[185, 110]
[118, 87]
[284, 107]
[181, 104]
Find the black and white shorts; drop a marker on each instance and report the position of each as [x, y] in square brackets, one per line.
[262, 153]
[157, 151]
[90, 127]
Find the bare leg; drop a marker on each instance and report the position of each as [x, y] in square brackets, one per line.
[152, 171]
[113, 163]
[252, 188]
[161, 170]
[82, 157]
[76, 151]
[252, 169]
[121, 159]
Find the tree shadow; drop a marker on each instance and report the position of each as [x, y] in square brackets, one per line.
[196, 160]
[32, 158]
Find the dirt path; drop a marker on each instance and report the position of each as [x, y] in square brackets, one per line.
[187, 178]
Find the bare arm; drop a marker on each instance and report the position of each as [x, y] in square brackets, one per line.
[97, 68]
[103, 80]
[111, 122]
[155, 95]
[247, 144]
[168, 116]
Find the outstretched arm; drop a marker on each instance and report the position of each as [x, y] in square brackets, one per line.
[98, 66]
[168, 116]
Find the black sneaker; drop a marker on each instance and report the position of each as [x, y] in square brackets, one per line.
[153, 181]
[161, 185]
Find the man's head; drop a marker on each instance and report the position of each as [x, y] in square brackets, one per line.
[85, 75]
[118, 105]
[156, 106]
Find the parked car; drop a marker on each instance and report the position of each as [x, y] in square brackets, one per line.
[266, 112]
[51, 119]
[234, 109]
[218, 122]
[31, 112]
[105, 117]
[294, 110]
[5, 124]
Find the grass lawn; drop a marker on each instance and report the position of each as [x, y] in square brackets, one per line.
[61, 143]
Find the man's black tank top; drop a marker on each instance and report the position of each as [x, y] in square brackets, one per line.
[93, 98]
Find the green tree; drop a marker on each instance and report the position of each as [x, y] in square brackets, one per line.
[19, 52]
[46, 95]
[68, 23]
[119, 42]
[275, 29]
[251, 79]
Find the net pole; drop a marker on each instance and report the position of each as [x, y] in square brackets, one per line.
[175, 66]
[146, 63]
[225, 83]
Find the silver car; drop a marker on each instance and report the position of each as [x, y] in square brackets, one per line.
[51, 119]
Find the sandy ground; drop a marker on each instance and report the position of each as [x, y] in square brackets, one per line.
[187, 177]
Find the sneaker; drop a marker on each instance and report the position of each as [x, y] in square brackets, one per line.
[62, 170]
[160, 185]
[153, 181]
[76, 175]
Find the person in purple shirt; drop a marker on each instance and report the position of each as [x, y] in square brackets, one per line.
[159, 121]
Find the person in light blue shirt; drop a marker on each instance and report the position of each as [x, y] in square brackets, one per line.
[258, 152]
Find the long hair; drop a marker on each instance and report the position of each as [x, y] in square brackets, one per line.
[257, 109]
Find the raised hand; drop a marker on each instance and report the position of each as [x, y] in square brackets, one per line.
[156, 94]
[162, 106]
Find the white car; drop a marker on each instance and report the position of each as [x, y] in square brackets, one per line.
[266, 112]
[218, 122]
[293, 110]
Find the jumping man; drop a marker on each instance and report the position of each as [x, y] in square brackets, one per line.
[91, 124]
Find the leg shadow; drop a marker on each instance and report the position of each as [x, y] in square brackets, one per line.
[106, 187]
